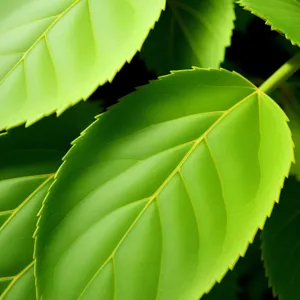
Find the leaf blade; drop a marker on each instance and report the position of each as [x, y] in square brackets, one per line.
[190, 33]
[139, 168]
[26, 157]
[272, 14]
[22, 286]
[55, 52]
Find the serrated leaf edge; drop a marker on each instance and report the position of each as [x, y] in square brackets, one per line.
[59, 111]
[85, 131]
[267, 22]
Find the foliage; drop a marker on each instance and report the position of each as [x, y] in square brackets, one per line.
[29, 159]
[161, 195]
[54, 53]
[190, 33]
[283, 229]
[278, 15]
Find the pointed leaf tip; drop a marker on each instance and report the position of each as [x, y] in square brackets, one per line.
[160, 197]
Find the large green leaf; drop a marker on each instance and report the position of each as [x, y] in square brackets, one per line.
[190, 33]
[280, 243]
[282, 15]
[28, 160]
[54, 53]
[163, 193]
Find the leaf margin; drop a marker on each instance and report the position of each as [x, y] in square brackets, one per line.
[74, 143]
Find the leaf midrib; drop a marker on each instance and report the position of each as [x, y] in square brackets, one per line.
[43, 35]
[167, 180]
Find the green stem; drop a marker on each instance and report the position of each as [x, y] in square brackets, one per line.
[282, 74]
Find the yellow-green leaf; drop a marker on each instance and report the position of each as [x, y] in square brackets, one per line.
[54, 53]
[163, 193]
[282, 15]
[29, 159]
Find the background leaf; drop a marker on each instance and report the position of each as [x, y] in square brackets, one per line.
[54, 53]
[280, 243]
[163, 193]
[282, 15]
[190, 33]
[251, 273]
[243, 19]
[226, 289]
[293, 111]
[29, 159]
[288, 95]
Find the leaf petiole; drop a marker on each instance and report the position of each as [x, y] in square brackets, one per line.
[282, 74]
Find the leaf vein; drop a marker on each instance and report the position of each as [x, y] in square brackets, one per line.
[56, 20]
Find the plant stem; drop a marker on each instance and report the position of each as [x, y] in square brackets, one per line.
[282, 74]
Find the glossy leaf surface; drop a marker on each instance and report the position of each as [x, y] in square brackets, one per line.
[280, 243]
[282, 15]
[163, 193]
[29, 159]
[190, 33]
[54, 53]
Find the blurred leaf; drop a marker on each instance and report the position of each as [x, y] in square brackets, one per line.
[29, 160]
[55, 53]
[288, 95]
[251, 272]
[190, 33]
[243, 19]
[280, 243]
[226, 289]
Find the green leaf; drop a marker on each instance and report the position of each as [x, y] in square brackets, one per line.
[22, 287]
[163, 193]
[282, 15]
[29, 159]
[280, 243]
[54, 53]
[4, 282]
[190, 33]
[243, 19]
[294, 117]
[288, 96]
